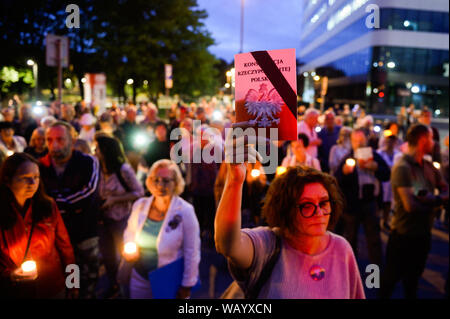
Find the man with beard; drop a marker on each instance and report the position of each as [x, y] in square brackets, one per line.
[71, 178]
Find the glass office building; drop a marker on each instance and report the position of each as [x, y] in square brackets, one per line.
[380, 54]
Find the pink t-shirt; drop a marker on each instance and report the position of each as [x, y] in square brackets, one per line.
[291, 278]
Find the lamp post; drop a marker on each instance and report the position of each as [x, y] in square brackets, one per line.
[35, 76]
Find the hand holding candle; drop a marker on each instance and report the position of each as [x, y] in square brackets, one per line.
[130, 251]
[27, 271]
[349, 166]
[255, 173]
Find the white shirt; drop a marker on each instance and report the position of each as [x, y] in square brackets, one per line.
[172, 243]
[19, 145]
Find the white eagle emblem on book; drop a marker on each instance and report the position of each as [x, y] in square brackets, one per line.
[264, 105]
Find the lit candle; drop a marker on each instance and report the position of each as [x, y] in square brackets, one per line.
[387, 133]
[280, 170]
[27, 271]
[9, 153]
[255, 173]
[350, 162]
[130, 249]
[437, 165]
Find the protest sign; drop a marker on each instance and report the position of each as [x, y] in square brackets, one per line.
[266, 91]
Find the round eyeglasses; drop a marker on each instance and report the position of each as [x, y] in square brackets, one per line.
[308, 209]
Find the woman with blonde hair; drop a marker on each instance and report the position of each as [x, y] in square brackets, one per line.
[37, 147]
[164, 228]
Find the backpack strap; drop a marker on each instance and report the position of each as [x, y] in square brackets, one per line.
[253, 292]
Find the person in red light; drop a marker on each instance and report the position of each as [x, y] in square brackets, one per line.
[29, 215]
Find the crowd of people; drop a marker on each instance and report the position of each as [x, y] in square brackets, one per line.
[92, 188]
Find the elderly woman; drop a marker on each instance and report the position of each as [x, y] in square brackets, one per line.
[300, 207]
[37, 147]
[164, 228]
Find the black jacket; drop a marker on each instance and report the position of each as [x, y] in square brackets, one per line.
[76, 194]
[350, 186]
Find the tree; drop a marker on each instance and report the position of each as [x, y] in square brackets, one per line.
[125, 39]
[137, 37]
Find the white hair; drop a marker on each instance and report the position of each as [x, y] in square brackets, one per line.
[311, 111]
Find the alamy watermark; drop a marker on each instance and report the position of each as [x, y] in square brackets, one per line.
[210, 148]
[73, 19]
[372, 279]
[373, 19]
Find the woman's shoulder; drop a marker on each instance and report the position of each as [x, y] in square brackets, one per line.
[126, 168]
[262, 234]
[140, 203]
[340, 243]
[183, 204]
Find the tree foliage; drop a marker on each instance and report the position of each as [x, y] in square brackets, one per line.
[123, 38]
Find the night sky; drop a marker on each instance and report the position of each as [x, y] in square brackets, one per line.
[268, 25]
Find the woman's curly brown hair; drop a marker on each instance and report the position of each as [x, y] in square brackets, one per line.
[280, 203]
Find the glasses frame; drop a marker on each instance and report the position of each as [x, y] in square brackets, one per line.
[300, 208]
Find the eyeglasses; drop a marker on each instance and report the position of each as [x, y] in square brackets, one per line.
[308, 210]
[163, 180]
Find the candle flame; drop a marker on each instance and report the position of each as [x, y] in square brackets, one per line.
[29, 266]
[387, 133]
[350, 162]
[281, 170]
[130, 248]
[255, 173]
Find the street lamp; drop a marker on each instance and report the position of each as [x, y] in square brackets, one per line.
[35, 76]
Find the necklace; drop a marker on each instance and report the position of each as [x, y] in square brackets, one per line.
[159, 213]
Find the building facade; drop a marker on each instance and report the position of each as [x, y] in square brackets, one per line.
[380, 54]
